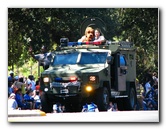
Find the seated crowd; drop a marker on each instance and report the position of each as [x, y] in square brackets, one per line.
[23, 94]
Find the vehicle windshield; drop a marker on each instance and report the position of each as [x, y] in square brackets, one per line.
[80, 58]
[93, 57]
[65, 58]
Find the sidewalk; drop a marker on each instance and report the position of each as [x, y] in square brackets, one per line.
[21, 113]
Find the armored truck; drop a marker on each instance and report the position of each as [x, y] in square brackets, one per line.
[87, 72]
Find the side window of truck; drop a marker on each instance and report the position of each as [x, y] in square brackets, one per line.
[122, 61]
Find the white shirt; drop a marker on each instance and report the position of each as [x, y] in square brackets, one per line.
[12, 104]
[100, 38]
[32, 83]
[147, 87]
[37, 98]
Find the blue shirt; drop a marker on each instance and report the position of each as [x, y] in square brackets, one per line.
[19, 100]
[44, 59]
[28, 98]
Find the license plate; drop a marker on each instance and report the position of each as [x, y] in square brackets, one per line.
[64, 91]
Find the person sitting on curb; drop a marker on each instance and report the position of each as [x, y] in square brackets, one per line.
[29, 100]
[19, 99]
[12, 103]
[90, 108]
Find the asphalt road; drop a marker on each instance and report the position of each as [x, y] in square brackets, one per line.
[117, 116]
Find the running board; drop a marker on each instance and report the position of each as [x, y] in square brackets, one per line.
[116, 94]
[123, 96]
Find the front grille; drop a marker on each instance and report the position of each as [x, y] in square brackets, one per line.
[65, 87]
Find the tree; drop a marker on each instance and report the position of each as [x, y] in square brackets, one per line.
[45, 26]
[140, 26]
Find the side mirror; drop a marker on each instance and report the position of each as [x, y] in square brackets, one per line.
[110, 60]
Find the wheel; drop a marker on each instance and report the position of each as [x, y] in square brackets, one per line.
[131, 101]
[132, 98]
[102, 99]
[46, 106]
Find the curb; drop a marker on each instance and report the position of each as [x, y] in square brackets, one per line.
[21, 113]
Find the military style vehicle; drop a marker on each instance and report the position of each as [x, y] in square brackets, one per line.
[81, 73]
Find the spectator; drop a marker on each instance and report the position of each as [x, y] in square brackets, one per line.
[38, 86]
[19, 99]
[112, 107]
[29, 100]
[148, 102]
[25, 79]
[18, 83]
[11, 90]
[37, 96]
[57, 108]
[10, 82]
[140, 96]
[31, 84]
[37, 100]
[44, 58]
[12, 103]
[21, 81]
[147, 86]
[155, 79]
[11, 76]
[90, 108]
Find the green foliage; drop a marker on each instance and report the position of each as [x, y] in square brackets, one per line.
[45, 26]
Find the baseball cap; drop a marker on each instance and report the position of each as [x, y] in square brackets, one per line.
[11, 72]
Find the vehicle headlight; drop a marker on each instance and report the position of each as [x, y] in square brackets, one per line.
[88, 88]
[46, 79]
[93, 79]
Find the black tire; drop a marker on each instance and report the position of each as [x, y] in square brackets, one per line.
[131, 101]
[102, 99]
[46, 106]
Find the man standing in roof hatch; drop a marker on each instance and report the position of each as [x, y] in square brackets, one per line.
[44, 58]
